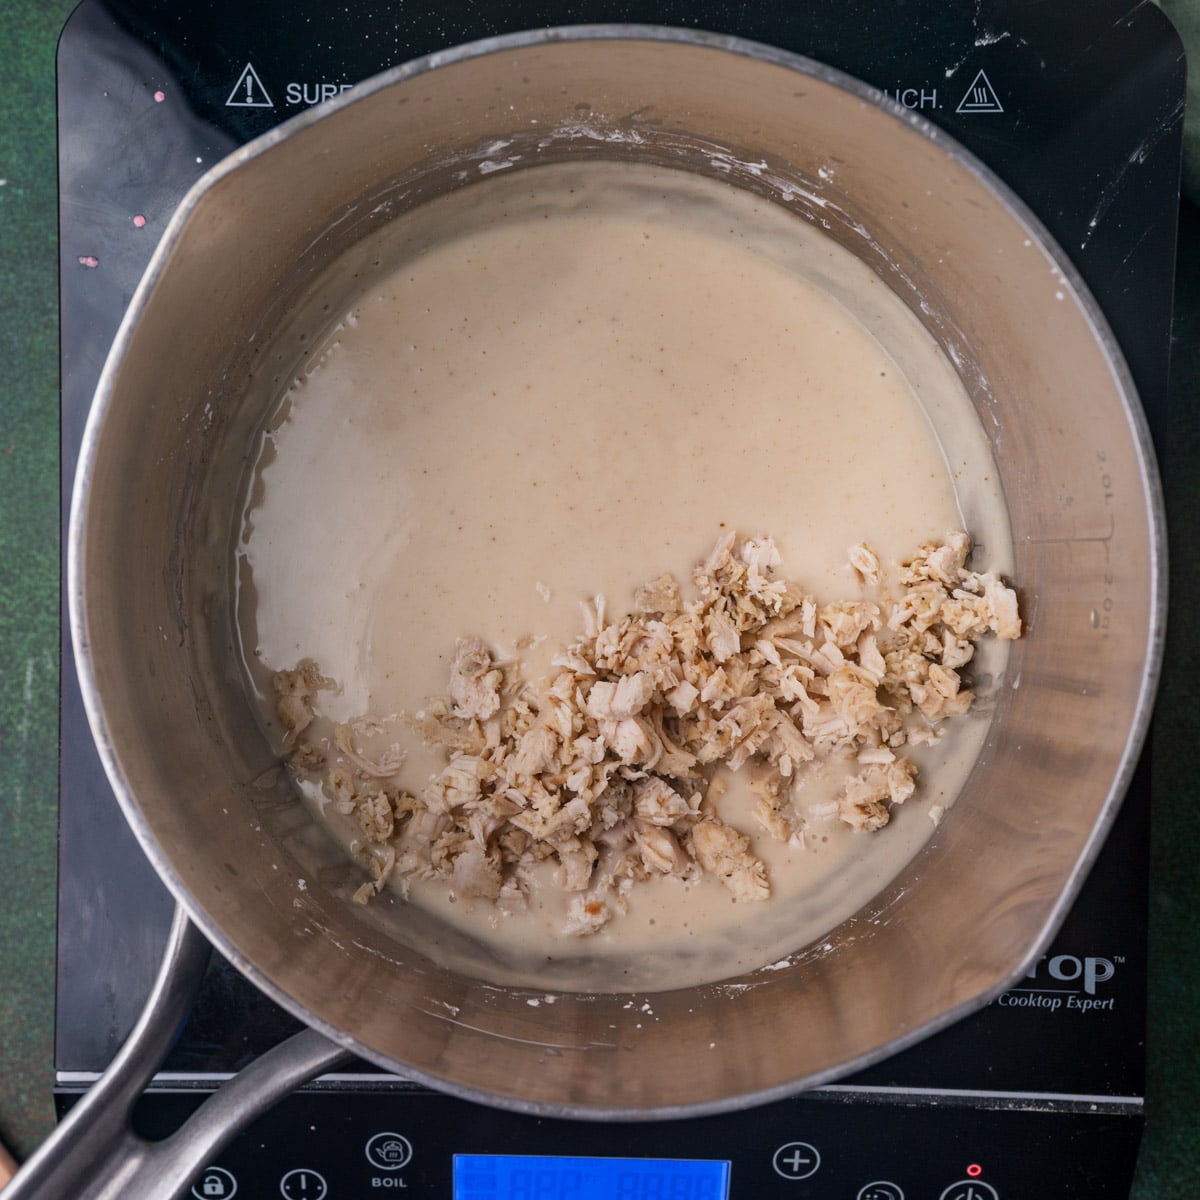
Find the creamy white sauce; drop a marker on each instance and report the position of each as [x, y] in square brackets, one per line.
[566, 382]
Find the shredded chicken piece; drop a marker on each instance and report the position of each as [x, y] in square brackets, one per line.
[587, 914]
[609, 770]
[660, 595]
[295, 693]
[474, 680]
[864, 562]
[725, 853]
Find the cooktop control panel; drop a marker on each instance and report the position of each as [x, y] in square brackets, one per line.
[405, 1141]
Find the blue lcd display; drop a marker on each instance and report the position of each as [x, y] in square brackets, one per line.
[533, 1177]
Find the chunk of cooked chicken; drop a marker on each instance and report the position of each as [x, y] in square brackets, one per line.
[725, 853]
[474, 680]
[295, 694]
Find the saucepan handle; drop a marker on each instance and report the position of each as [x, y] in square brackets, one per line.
[94, 1153]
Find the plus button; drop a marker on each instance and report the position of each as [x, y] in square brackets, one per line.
[796, 1160]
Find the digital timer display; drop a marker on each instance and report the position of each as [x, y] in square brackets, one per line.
[534, 1177]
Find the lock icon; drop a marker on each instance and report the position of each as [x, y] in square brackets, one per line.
[215, 1184]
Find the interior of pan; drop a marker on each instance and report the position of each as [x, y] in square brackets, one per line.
[155, 506]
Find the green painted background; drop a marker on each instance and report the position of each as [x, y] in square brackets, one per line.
[29, 574]
[29, 563]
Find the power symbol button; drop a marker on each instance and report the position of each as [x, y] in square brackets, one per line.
[970, 1189]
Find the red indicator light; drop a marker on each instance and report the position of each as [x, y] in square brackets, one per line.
[974, 1170]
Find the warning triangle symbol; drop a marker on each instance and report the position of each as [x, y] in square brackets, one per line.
[249, 92]
[980, 97]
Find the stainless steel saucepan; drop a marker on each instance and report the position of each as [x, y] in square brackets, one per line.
[155, 503]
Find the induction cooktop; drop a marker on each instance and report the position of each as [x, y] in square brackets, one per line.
[1038, 1094]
